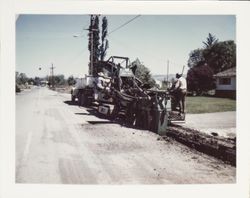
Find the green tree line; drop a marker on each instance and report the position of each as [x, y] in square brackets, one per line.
[215, 56]
[23, 80]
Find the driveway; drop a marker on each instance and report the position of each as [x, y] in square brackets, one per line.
[222, 123]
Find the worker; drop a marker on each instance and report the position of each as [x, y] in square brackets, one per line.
[102, 84]
[102, 81]
[180, 89]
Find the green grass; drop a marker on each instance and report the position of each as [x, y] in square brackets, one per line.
[201, 104]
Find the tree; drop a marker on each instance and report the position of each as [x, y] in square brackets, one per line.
[99, 49]
[59, 79]
[221, 56]
[195, 57]
[211, 40]
[21, 78]
[71, 80]
[94, 34]
[203, 63]
[96, 39]
[17, 74]
[104, 45]
[200, 79]
[37, 80]
[143, 73]
[31, 81]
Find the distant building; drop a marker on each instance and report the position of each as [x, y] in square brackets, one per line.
[226, 83]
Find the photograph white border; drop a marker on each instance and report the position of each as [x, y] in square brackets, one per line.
[10, 9]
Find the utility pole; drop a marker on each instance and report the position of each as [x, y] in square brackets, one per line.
[52, 75]
[167, 72]
[91, 51]
[183, 69]
[91, 44]
[91, 31]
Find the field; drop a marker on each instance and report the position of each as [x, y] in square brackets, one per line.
[201, 104]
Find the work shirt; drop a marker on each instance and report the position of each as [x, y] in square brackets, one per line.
[101, 81]
[181, 84]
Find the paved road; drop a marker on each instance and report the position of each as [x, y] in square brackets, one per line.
[57, 142]
[222, 123]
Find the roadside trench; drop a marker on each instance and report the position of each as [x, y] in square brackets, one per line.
[216, 146]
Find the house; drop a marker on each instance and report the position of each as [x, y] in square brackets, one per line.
[226, 83]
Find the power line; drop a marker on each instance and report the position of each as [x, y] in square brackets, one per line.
[52, 75]
[126, 23]
[177, 64]
[119, 27]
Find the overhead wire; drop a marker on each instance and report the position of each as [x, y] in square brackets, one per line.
[114, 30]
[124, 24]
[177, 64]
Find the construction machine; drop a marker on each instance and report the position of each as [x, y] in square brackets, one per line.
[119, 95]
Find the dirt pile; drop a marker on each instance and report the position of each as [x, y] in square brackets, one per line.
[220, 147]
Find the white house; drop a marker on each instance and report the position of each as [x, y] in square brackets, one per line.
[226, 83]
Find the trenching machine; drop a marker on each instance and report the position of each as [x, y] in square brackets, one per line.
[124, 97]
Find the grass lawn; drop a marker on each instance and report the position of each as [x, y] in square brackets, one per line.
[202, 104]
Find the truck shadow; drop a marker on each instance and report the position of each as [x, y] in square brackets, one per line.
[82, 113]
[109, 120]
[69, 102]
[92, 111]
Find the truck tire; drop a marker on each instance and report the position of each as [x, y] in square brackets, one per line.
[73, 98]
[79, 97]
[82, 100]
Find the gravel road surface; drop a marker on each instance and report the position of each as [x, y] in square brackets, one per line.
[57, 142]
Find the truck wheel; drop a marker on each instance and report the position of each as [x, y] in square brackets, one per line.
[82, 100]
[79, 99]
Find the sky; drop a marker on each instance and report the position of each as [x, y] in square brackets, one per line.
[43, 40]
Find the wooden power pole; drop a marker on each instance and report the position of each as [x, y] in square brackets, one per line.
[52, 76]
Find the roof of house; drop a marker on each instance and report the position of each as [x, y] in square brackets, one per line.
[227, 73]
